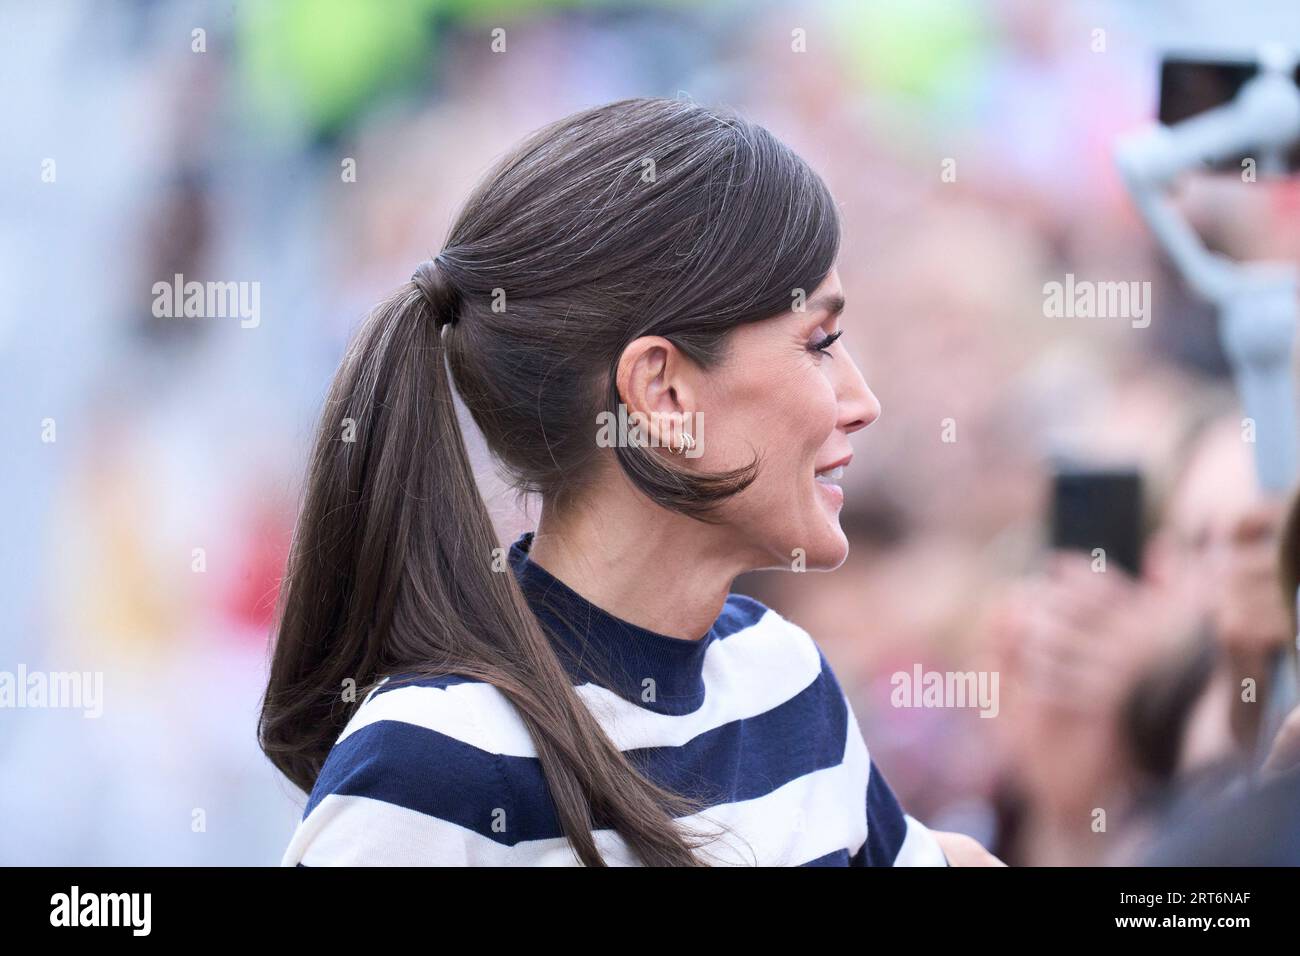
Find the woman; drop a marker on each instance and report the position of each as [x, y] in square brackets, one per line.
[596, 696]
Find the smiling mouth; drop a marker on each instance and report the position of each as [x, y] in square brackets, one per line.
[829, 474]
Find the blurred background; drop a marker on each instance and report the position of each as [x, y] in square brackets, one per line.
[319, 148]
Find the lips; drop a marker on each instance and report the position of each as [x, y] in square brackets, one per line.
[834, 470]
[827, 478]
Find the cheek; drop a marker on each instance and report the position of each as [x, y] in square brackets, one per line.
[785, 414]
[791, 425]
[804, 417]
[819, 412]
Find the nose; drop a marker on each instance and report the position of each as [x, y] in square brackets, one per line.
[859, 406]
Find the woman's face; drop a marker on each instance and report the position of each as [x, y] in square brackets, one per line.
[788, 391]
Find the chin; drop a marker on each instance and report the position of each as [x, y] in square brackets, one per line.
[827, 552]
[831, 557]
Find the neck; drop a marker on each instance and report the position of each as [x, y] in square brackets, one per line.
[648, 566]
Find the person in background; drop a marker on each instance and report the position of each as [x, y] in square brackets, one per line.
[1255, 822]
[1128, 690]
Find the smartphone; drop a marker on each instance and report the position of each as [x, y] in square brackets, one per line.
[1190, 85]
[1099, 508]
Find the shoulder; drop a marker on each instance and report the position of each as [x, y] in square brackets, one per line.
[770, 666]
[415, 774]
[420, 725]
[453, 707]
[750, 628]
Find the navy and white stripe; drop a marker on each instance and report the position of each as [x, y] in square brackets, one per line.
[749, 720]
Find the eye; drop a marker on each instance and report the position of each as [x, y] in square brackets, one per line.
[823, 346]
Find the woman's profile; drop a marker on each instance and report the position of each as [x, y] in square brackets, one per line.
[639, 306]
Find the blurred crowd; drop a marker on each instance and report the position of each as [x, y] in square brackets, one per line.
[320, 149]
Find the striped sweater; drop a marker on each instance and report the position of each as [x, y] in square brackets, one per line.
[750, 721]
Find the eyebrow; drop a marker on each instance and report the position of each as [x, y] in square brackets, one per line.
[831, 303]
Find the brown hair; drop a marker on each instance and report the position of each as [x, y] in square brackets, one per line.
[642, 217]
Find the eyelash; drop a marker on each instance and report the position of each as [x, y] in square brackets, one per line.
[824, 345]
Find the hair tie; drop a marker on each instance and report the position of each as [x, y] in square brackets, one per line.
[438, 293]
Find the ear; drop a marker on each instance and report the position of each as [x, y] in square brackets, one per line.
[656, 380]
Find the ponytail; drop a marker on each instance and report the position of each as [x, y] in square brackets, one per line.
[391, 570]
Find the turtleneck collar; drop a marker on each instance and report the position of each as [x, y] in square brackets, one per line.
[654, 671]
